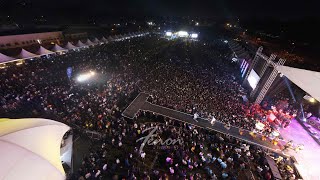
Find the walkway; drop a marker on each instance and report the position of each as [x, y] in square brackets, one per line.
[140, 103]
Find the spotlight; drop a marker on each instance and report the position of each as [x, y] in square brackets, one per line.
[312, 100]
[86, 76]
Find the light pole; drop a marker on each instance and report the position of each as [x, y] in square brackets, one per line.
[292, 47]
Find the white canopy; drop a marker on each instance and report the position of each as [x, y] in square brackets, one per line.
[30, 149]
[57, 48]
[43, 51]
[5, 58]
[24, 54]
[70, 46]
[104, 39]
[110, 38]
[89, 43]
[96, 41]
[307, 80]
[80, 44]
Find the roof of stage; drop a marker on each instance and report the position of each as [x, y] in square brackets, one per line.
[30, 149]
[307, 80]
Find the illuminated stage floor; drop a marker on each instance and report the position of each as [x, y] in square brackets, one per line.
[308, 160]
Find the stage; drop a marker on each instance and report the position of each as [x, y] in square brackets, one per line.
[308, 159]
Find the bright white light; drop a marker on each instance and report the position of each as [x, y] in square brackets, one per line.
[234, 59]
[197, 24]
[194, 35]
[183, 34]
[168, 33]
[312, 100]
[225, 41]
[86, 76]
[39, 41]
[253, 79]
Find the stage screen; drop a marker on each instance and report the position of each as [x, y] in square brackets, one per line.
[253, 79]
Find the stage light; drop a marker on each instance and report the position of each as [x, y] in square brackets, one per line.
[168, 33]
[225, 41]
[183, 34]
[194, 35]
[197, 24]
[312, 100]
[86, 76]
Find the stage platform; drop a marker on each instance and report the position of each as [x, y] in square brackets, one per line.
[308, 159]
[131, 111]
[140, 103]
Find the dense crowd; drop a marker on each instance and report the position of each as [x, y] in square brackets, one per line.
[187, 76]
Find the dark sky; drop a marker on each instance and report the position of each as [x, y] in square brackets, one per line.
[283, 9]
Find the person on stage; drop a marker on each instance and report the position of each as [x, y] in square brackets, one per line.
[195, 116]
[213, 120]
[288, 145]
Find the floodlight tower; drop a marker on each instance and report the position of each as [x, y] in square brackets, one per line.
[268, 62]
[253, 63]
[269, 82]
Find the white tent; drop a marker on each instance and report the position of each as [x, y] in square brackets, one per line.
[70, 46]
[57, 48]
[24, 54]
[43, 51]
[110, 38]
[96, 41]
[103, 39]
[30, 149]
[80, 44]
[5, 58]
[89, 43]
[307, 80]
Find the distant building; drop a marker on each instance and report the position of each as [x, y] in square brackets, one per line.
[21, 40]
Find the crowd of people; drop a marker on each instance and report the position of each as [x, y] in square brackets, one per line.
[186, 76]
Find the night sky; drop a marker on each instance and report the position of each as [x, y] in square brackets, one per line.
[282, 9]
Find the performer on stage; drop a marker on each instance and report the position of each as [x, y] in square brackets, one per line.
[298, 148]
[228, 126]
[195, 116]
[213, 120]
[241, 131]
[288, 145]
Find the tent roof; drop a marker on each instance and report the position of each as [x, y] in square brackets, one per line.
[56, 48]
[307, 80]
[89, 42]
[43, 51]
[70, 46]
[30, 149]
[103, 39]
[24, 54]
[80, 44]
[96, 40]
[5, 58]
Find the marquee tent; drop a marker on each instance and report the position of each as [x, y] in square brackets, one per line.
[307, 80]
[110, 38]
[103, 39]
[70, 46]
[80, 44]
[24, 54]
[30, 149]
[5, 58]
[43, 51]
[57, 48]
[89, 43]
[96, 41]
